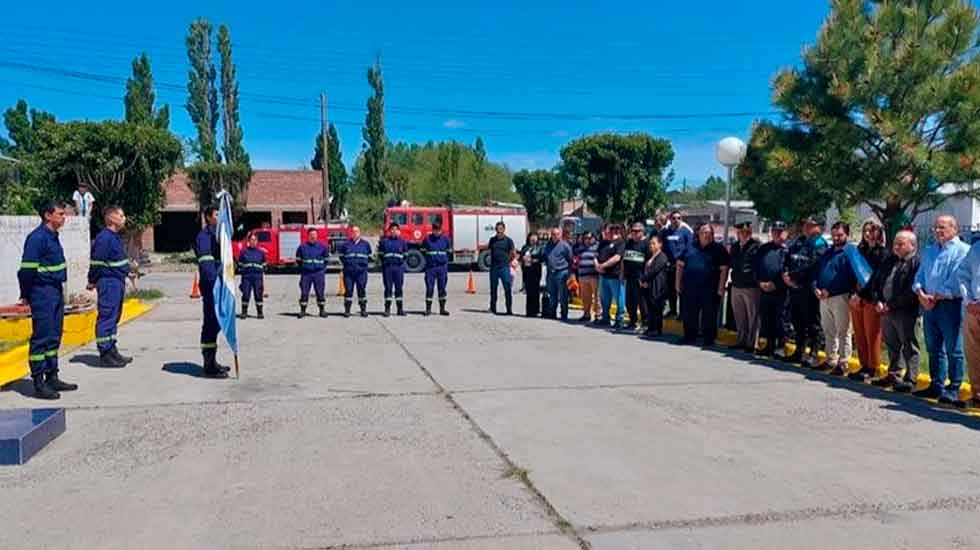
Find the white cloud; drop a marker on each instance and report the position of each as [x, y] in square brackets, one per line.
[453, 123]
[528, 160]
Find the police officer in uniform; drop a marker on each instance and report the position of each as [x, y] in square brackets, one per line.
[355, 255]
[251, 264]
[436, 248]
[312, 259]
[391, 250]
[208, 255]
[770, 263]
[43, 272]
[107, 274]
[801, 263]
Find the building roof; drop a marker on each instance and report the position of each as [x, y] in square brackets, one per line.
[268, 189]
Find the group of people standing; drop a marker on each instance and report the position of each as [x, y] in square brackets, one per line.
[830, 296]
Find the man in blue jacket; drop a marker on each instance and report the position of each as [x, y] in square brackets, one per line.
[42, 275]
[108, 269]
[312, 259]
[677, 237]
[436, 248]
[251, 265]
[355, 255]
[833, 286]
[391, 250]
[208, 255]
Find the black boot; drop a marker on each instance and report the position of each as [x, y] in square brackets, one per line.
[119, 357]
[401, 308]
[56, 384]
[347, 309]
[244, 314]
[211, 367]
[442, 308]
[428, 308]
[42, 390]
[107, 360]
[323, 310]
[258, 309]
[302, 311]
[363, 309]
[387, 312]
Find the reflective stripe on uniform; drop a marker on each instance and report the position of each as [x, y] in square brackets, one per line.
[209, 346]
[29, 265]
[356, 255]
[37, 357]
[436, 252]
[118, 263]
[51, 268]
[393, 255]
[257, 266]
[206, 258]
[104, 339]
[314, 261]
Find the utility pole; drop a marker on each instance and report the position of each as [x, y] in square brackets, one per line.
[325, 172]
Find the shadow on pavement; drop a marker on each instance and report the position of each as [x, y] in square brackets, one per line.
[87, 359]
[183, 367]
[24, 386]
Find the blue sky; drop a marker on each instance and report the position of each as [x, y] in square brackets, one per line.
[527, 78]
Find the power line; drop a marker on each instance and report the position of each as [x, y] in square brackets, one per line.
[470, 113]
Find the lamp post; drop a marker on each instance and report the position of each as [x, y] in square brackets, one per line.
[730, 152]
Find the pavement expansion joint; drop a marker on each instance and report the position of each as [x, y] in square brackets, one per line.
[563, 525]
[427, 541]
[968, 503]
[339, 394]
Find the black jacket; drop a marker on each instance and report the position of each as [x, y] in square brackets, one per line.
[904, 299]
[743, 264]
[875, 256]
[655, 275]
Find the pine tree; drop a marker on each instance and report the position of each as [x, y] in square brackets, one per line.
[883, 109]
[339, 181]
[140, 97]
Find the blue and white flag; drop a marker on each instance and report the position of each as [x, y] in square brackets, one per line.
[224, 289]
[860, 266]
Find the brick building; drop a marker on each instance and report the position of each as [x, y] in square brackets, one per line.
[274, 197]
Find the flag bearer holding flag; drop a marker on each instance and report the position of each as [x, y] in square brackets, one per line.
[107, 274]
[208, 255]
[251, 264]
[355, 255]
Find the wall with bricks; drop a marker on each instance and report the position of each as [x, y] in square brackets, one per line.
[74, 237]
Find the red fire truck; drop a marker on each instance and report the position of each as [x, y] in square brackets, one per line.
[468, 228]
[280, 243]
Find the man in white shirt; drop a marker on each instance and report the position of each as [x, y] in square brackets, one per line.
[84, 201]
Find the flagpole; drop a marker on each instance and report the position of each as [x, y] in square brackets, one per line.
[236, 366]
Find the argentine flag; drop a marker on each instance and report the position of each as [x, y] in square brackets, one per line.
[224, 289]
[860, 267]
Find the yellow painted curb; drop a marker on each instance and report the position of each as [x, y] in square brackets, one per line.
[79, 330]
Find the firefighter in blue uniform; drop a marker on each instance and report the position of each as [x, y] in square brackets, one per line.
[312, 259]
[436, 248]
[208, 255]
[43, 272]
[355, 255]
[251, 264]
[391, 250]
[108, 269]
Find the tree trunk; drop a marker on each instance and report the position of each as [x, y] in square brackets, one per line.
[894, 218]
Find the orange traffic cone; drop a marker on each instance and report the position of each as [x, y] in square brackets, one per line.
[470, 284]
[195, 288]
[341, 289]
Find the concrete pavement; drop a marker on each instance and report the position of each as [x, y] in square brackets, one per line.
[477, 432]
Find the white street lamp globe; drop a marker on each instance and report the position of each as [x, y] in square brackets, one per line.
[730, 152]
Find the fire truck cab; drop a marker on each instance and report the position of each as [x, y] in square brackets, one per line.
[468, 228]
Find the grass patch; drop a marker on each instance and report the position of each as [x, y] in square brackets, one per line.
[145, 294]
[519, 474]
[180, 258]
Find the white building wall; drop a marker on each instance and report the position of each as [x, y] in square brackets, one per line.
[74, 238]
